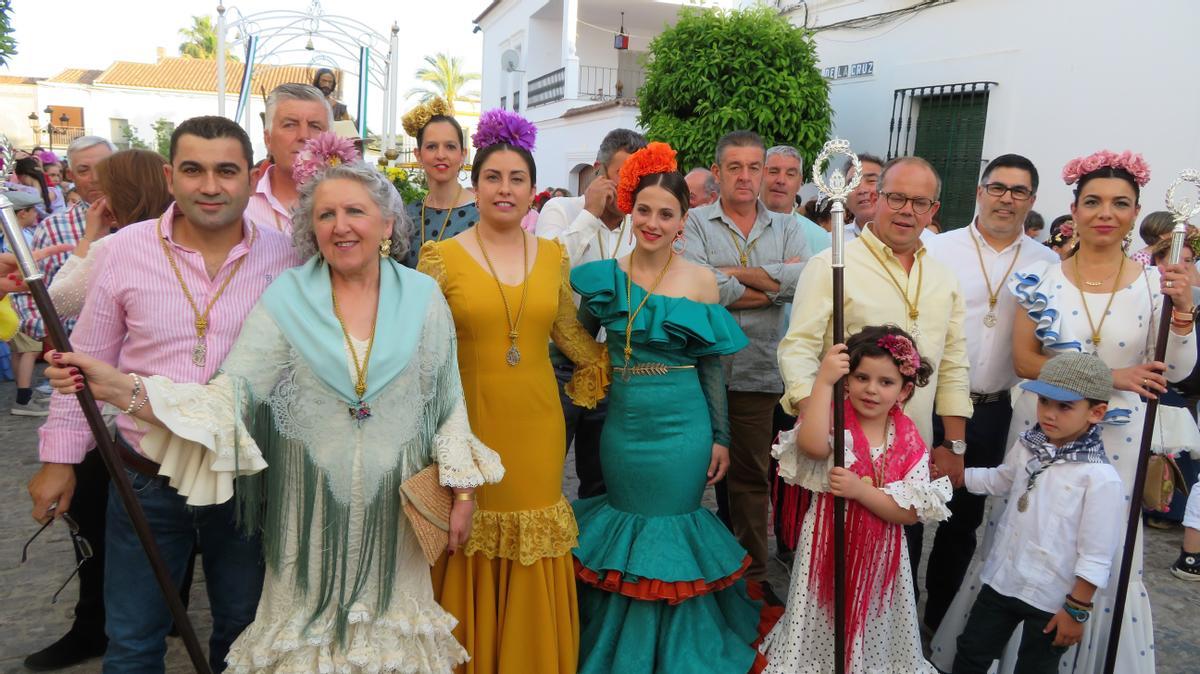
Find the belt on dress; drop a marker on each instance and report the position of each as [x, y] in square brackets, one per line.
[648, 369]
[987, 398]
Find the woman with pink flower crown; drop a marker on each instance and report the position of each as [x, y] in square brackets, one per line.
[1097, 301]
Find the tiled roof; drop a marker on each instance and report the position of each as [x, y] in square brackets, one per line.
[76, 76]
[188, 74]
[17, 79]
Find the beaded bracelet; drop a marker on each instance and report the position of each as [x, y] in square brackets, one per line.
[134, 405]
[1084, 605]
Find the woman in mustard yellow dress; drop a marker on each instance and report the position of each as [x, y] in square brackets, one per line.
[512, 588]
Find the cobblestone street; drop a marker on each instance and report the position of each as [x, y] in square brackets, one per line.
[28, 621]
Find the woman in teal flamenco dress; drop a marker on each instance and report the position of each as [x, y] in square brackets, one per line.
[660, 589]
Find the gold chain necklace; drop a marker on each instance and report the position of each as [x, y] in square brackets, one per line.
[620, 235]
[359, 410]
[743, 253]
[513, 355]
[449, 211]
[913, 311]
[1083, 298]
[628, 353]
[200, 350]
[990, 319]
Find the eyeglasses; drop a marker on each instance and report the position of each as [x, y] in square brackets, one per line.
[1019, 192]
[81, 546]
[896, 202]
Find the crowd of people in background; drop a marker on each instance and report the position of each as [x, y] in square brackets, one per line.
[298, 358]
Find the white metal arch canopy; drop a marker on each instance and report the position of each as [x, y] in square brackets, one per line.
[278, 33]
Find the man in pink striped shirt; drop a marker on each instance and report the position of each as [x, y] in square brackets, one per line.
[295, 113]
[201, 267]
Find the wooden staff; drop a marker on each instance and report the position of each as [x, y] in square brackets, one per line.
[1181, 210]
[35, 282]
[837, 190]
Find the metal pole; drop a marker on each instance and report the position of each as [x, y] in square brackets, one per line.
[1181, 210]
[221, 59]
[392, 83]
[837, 189]
[35, 282]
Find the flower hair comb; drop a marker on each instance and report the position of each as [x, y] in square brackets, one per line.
[902, 350]
[1127, 161]
[654, 158]
[504, 126]
[325, 150]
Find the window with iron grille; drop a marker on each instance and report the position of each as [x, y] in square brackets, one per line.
[944, 124]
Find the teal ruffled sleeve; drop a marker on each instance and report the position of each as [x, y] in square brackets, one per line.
[675, 324]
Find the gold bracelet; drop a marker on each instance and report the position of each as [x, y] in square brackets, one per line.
[464, 496]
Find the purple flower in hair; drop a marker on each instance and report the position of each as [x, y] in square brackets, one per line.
[504, 126]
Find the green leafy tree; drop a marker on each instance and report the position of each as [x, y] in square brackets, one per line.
[8, 44]
[718, 71]
[200, 40]
[131, 138]
[162, 136]
[443, 76]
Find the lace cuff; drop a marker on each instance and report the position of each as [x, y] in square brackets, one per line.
[432, 264]
[524, 535]
[201, 445]
[928, 498]
[589, 384]
[463, 460]
[796, 468]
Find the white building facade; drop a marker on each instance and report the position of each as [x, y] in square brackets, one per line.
[962, 82]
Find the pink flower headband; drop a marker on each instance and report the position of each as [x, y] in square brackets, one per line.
[325, 150]
[504, 126]
[1133, 163]
[902, 350]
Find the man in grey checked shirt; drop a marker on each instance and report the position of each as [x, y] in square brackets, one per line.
[757, 256]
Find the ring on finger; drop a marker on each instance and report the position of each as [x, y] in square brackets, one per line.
[1170, 284]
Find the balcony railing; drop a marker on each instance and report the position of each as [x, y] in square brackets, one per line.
[595, 84]
[548, 88]
[606, 84]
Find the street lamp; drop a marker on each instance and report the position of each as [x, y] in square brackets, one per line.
[63, 121]
[35, 125]
[49, 127]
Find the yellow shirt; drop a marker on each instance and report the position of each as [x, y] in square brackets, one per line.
[871, 298]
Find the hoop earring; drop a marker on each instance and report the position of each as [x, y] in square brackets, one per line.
[385, 248]
[682, 241]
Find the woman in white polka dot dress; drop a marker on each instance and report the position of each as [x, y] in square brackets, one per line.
[1097, 301]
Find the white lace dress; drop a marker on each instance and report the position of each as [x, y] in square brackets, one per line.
[890, 642]
[347, 588]
[1126, 339]
[69, 288]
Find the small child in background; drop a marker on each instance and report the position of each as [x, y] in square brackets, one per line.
[1057, 537]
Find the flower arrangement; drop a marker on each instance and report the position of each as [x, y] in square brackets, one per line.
[320, 152]
[504, 126]
[654, 158]
[416, 119]
[909, 361]
[1128, 161]
[411, 186]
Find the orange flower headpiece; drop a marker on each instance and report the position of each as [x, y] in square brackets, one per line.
[654, 158]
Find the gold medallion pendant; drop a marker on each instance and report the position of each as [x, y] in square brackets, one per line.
[512, 356]
[989, 319]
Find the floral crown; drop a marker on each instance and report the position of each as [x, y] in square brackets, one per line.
[416, 119]
[325, 150]
[902, 349]
[652, 159]
[504, 126]
[1134, 164]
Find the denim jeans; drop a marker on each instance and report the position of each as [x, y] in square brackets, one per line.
[137, 619]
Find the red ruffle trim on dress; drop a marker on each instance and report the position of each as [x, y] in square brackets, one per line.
[649, 589]
[767, 617]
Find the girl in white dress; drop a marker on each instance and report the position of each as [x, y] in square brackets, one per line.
[886, 483]
[1097, 301]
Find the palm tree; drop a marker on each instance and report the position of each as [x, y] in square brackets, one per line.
[444, 77]
[201, 40]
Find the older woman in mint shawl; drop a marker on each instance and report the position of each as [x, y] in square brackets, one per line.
[343, 383]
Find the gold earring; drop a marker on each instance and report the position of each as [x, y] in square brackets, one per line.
[385, 248]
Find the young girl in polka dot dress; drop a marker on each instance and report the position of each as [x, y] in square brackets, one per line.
[886, 484]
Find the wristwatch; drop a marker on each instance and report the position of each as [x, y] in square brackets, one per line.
[1078, 615]
[959, 447]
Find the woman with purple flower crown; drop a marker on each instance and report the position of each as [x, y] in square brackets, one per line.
[512, 587]
[320, 422]
[1096, 301]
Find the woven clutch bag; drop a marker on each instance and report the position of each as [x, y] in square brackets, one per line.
[427, 503]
